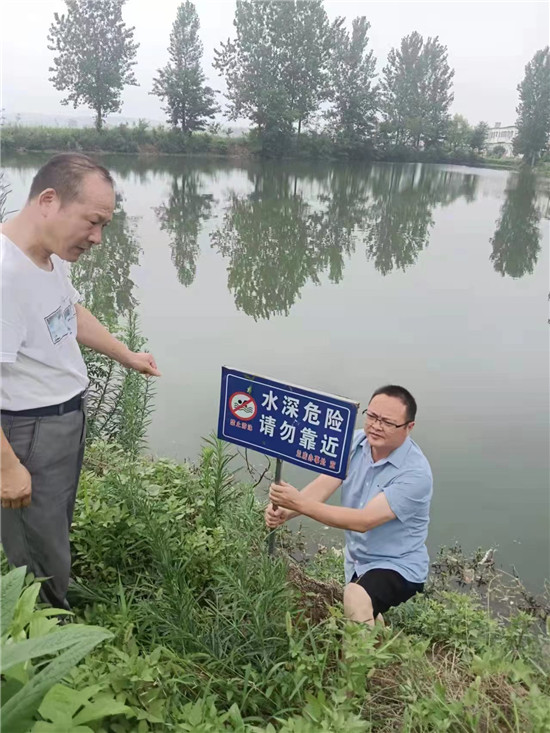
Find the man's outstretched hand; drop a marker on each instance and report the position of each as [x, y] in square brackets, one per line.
[143, 362]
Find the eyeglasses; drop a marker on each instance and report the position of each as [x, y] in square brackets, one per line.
[372, 418]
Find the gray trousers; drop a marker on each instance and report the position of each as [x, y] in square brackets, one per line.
[52, 449]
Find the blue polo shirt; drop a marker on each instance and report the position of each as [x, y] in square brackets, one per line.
[406, 479]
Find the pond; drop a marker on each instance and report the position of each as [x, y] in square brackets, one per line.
[342, 278]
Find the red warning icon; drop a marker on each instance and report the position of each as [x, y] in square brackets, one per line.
[243, 406]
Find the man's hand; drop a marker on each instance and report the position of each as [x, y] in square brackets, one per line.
[286, 496]
[276, 517]
[15, 487]
[142, 362]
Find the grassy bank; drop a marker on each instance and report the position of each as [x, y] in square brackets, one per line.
[144, 140]
[209, 634]
[138, 139]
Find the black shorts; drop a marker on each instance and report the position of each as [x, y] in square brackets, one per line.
[386, 588]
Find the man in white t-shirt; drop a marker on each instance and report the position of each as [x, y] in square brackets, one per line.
[43, 374]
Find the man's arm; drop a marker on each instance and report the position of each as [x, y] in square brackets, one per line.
[15, 484]
[376, 512]
[91, 333]
[320, 489]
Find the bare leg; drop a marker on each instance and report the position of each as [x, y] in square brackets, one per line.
[358, 605]
[380, 620]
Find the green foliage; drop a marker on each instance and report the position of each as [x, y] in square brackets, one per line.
[352, 92]
[96, 53]
[459, 134]
[450, 619]
[66, 710]
[416, 92]
[208, 634]
[189, 102]
[36, 655]
[310, 144]
[533, 121]
[328, 564]
[307, 49]
[120, 139]
[5, 190]
[119, 399]
[253, 70]
[478, 138]
[276, 67]
[189, 549]
[498, 151]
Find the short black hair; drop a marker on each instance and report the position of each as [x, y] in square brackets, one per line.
[394, 390]
[65, 173]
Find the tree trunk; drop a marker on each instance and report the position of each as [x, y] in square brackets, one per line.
[299, 126]
[98, 119]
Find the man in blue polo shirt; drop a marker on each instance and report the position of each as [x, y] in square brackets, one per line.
[385, 508]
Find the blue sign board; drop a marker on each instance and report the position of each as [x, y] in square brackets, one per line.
[310, 429]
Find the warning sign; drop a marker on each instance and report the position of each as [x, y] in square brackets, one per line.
[243, 406]
[295, 424]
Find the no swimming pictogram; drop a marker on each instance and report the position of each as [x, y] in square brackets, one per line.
[243, 406]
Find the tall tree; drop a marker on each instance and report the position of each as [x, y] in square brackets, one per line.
[307, 51]
[459, 134]
[181, 83]
[400, 88]
[416, 92]
[276, 67]
[478, 137]
[252, 67]
[353, 94]
[533, 121]
[96, 53]
[437, 82]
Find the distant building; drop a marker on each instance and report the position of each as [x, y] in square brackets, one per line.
[502, 136]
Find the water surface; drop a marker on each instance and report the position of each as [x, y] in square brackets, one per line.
[342, 278]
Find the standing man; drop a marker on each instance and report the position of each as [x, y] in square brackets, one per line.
[44, 378]
[385, 508]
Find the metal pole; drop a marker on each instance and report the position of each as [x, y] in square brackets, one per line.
[271, 537]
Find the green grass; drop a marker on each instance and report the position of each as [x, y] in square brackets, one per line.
[210, 635]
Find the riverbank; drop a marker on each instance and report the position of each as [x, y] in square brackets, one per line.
[145, 141]
[210, 634]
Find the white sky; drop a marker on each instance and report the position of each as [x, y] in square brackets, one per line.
[489, 44]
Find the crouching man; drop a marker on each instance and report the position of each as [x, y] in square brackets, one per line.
[385, 508]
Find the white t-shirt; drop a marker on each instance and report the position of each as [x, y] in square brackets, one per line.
[40, 360]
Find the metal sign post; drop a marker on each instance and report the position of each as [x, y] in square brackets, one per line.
[271, 538]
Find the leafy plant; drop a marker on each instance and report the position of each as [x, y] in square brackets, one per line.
[37, 653]
[210, 635]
